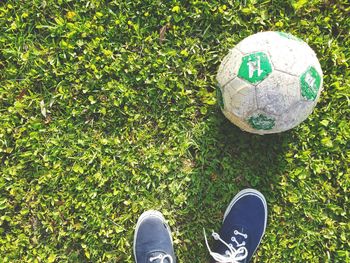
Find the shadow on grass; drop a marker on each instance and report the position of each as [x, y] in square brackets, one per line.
[226, 160]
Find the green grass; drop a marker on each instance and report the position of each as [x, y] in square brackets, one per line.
[102, 118]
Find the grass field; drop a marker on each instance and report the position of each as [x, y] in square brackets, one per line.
[108, 108]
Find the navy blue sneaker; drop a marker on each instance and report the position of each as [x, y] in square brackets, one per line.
[152, 239]
[243, 227]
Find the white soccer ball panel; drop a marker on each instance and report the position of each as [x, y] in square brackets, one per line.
[238, 121]
[239, 97]
[257, 42]
[295, 115]
[291, 56]
[277, 93]
[229, 67]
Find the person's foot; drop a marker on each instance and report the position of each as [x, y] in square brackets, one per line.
[152, 239]
[243, 227]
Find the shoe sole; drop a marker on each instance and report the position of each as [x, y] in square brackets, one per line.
[245, 192]
[143, 216]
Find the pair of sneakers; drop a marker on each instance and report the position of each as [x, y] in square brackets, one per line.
[243, 227]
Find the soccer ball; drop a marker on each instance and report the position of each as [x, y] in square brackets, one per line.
[268, 83]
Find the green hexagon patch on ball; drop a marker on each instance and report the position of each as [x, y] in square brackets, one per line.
[255, 67]
[310, 82]
[261, 122]
[219, 97]
[289, 36]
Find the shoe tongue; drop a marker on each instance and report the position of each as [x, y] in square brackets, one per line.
[156, 257]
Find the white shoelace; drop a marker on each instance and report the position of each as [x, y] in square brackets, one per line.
[162, 258]
[232, 255]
